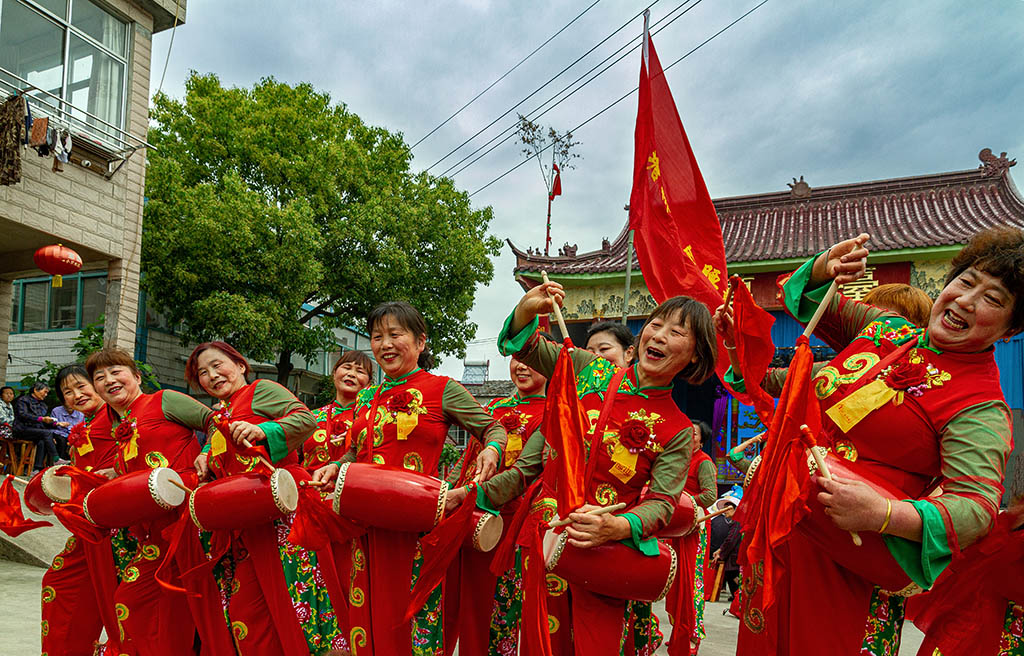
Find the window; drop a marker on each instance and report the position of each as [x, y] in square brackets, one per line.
[77, 303]
[72, 49]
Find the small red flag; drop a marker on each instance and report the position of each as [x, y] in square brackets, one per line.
[776, 498]
[12, 520]
[564, 425]
[556, 184]
[754, 349]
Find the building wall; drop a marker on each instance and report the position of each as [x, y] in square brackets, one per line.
[82, 209]
[30, 351]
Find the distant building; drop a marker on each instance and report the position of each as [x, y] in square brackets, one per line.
[474, 379]
[917, 225]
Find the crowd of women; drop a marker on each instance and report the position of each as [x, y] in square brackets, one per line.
[934, 428]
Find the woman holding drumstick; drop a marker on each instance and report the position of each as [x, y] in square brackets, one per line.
[403, 423]
[646, 442]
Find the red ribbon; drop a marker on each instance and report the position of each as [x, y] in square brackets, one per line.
[72, 516]
[12, 520]
[505, 554]
[316, 526]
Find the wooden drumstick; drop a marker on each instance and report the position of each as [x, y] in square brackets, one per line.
[596, 511]
[313, 483]
[805, 432]
[181, 486]
[813, 323]
[720, 511]
[558, 310]
[247, 444]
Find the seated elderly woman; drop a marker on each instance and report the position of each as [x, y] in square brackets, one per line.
[908, 408]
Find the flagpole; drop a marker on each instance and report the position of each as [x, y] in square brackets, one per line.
[629, 245]
[551, 189]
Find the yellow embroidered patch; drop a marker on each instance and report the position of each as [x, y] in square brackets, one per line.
[851, 410]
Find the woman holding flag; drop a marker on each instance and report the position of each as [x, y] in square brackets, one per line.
[646, 442]
[905, 408]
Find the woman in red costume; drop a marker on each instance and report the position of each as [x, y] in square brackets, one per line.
[149, 431]
[78, 589]
[685, 601]
[490, 607]
[351, 373]
[274, 592]
[647, 443]
[412, 411]
[917, 408]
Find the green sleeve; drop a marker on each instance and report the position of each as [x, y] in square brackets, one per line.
[512, 482]
[646, 546]
[773, 381]
[483, 503]
[974, 445]
[741, 465]
[707, 476]
[843, 319]
[291, 422]
[539, 354]
[734, 380]
[459, 407]
[183, 409]
[668, 477]
[923, 561]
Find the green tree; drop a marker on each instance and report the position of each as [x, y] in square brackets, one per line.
[274, 215]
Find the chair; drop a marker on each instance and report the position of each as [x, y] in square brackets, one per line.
[21, 453]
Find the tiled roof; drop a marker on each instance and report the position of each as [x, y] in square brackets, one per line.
[918, 212]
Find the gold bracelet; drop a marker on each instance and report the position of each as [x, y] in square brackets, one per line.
[731, 348]
[888, 516]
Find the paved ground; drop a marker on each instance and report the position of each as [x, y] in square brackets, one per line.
[19, 617]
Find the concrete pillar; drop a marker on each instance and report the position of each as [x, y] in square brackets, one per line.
[6, 298]
[122, 307]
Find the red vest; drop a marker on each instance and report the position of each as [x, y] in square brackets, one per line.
[239, 407]
[520, 418]
[327, 442]
[146, 439]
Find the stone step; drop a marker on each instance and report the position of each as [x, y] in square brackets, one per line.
[38, 546]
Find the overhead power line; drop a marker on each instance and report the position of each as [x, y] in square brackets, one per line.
[539, 89]
[506, 74]
[536, 113]
[634, 90]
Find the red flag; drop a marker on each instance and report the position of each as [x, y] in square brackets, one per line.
[754, 348]
[677, 235]
[12, 521]
[556, 184]
[563, 426]
[776, 498]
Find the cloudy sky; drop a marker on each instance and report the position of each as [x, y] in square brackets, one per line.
[835, 90]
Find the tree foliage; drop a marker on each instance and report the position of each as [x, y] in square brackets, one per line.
[274, 215]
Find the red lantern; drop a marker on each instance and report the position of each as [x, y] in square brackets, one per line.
[57, 260]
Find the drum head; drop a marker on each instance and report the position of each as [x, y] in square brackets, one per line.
[58, 488]
[162, 486]
[488, 532]
[553, 545]
[286, 492]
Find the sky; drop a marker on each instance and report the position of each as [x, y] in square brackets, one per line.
[837, 91]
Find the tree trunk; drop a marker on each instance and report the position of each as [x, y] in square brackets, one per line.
[284, 367]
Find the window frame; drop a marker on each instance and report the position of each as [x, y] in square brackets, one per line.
[18, 304]
[66, 109]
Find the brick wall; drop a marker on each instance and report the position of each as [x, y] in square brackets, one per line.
[30, 351]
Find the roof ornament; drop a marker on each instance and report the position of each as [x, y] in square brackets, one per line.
[799, 188]
[994, 166]
[567, 250]
[606, 245]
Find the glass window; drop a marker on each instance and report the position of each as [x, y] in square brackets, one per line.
[64, 305]
[15, 307]
[95, 84]
[34, 307]
[58, 7]
[100, 25]
[94, 299]
[31, 47]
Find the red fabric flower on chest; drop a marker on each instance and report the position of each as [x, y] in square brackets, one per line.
[401, 402]
[125, 430]
[634, 434]
[77, 435]
[512, 421]
[906, 375]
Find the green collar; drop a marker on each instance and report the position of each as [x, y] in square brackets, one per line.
[636, 389]
[391, 382]
[528, 397]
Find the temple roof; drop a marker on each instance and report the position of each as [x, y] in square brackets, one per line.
[941, 209]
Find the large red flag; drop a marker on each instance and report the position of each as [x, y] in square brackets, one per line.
[676, 231]
[775, 500]
[754, 348]
[564, 426]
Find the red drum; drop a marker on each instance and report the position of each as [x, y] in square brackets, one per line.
[871, 561]
[243, 500]
[487, 530]
[135, 498]
[685, 518]
[389, 497]
[612, 569]
[47, 488]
